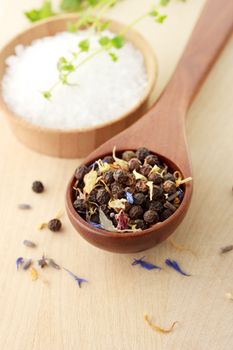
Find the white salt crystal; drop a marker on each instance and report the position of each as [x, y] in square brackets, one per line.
[103, 91]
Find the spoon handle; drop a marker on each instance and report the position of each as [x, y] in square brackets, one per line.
[208, 38]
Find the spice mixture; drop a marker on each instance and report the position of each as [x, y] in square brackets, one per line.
[129, 193]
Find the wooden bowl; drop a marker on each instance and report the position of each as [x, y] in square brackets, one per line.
[73, 143]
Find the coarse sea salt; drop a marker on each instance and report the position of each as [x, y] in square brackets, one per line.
[103, 90]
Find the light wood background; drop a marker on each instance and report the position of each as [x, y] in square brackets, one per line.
[107, 313]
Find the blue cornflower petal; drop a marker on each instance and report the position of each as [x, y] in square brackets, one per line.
[76, 278]
[19, 261]
[145, 264]
[174, 265]
[129, 197]
[95, 224]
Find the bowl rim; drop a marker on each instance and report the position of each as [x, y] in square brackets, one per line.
[66, 17]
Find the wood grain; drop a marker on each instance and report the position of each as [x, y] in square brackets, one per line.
[108, 312]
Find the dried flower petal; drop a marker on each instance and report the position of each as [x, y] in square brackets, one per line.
[226, 249]
[229, 296]
[27, 264]
[105, 222]
[24, 206]
[42, 225]
[158, 328]
[29, 244]
[19, 262]
[122, 163]
[180, 182]
[76, 278]
[139, 176]
[129, 197]
[155, 169]
[90, 181]
[103, 166]
[145, 264]
[174, 264]
[94, 224]
[42, 262]
[53, 264]
[117, 203]
[59, 214]
[150, 185]
[34, 274]
[181, 248]
[122, 220]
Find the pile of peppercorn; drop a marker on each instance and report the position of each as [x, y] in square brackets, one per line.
[134, 191]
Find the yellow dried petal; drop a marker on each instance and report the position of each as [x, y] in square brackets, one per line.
[42, 225]
[150, 185]
[155, 169]
[123, 164]
[59, 214]
[33, 273]
[90, 180]
[180, 182]
[103, 167]
[117, 203]
[181, 248]
[157, 328]
[139, 176]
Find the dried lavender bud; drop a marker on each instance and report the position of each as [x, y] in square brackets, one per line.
[226, 249]
[54, 225]
[134, 164]
[37, 187]
[27, 264]
[152, 160]
[120, 176]
[117, 190]
[151, 217]
[166, 214]
[169, 176]
[52, 263]
[141, 186]
[42, 262]
[80, 205]
[139, 198]
[142, 153]
[29, 244]
[169, 187]
[136, 212]
[157, 192]
[102, 196]
[108, 177]
[108, 159]
[156, 205]
[127, 155]
[80, 172]
[155, 178]
[140, 224]
[145, 170]
[24, 206]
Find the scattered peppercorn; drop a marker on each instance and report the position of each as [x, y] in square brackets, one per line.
[54, 225]
[37, 187]
[134, 191]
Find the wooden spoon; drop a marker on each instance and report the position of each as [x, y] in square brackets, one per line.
[162, 129]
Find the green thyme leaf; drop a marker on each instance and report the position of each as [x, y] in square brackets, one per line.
[161, 18]
[164, 2]
[113, 56]
[103, 26]
[41, 13]
[70, 5]
[71, 27]
[154, 13]
[47, 94]
[84, 45]
[118, 41]
[104, 41]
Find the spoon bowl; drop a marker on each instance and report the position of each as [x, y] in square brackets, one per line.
[162, 130]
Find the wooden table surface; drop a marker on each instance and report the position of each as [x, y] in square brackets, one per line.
[52, 313]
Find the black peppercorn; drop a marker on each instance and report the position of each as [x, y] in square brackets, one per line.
[120, 176]
[37, 187]
[169, 187]
[102, 196]
[108, 177]
[128, 206]
[54, 225]
[81, 172]
[80, 205]
[136, 212]
[127, 155]
[169, 176]
[152, 160]
[141, 186]
[140, 224]
[156, 205]
[166, 214]
[117, 190]
[131, 181]
[92, 196]
[157, 192]
[106, 210]
[151, 217]
[134, 164]
[155, 178]
[139, 198]
[142, 153]
[95, 218]
[108, 159]
[145, 170]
